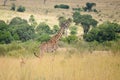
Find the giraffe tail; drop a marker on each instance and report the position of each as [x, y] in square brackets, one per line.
[36, 55]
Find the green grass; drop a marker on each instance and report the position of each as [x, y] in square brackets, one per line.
[17, 49]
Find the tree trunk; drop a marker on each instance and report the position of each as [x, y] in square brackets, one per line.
[45, 1]
[5, 1]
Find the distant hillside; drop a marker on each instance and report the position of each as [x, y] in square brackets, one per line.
[108, 9]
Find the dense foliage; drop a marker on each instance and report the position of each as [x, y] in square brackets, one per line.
[43, 28]
[104, 32]
[32, 21]
[89, 6]
[55, 29]
[44, 37]
[21, 30]
[62, 6]
[5, 35]
[13, 7]
[73, 30]
[24, 37]
[21, 9]
[71, 39]
[85, 20]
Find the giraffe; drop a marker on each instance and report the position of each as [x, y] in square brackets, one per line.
[52, 44]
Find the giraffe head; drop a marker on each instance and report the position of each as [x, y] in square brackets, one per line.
[64, 23]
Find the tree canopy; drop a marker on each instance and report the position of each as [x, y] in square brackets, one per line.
[21, 30]
[5, 35]
[104, 32]
[85, 20]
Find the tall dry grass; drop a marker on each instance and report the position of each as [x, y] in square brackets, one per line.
[61, 67]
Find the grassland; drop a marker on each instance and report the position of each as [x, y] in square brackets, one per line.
[103, 63]
[67, 63]
[109, 10]
[62, 67]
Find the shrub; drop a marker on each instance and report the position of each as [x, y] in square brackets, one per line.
[2, 50]
[70, 39]
[85, 20]
[116, 27]
[105, 32]
[62, 6]
[13, 7]
[21, 9]
[32, 21]
[17, 21]
[55, 29]
[56, 6]
[25, 32]
[76, 9]
[95, 10]
[5, 35]
[90, 5]
[43, 28]
[43, 38]
[73, 30]
[21, 30]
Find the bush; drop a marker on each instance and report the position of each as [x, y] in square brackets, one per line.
[13, 7]
[56, 6]
[85, 20]
[32, 21]
[43, 38]
[62, 6]
[105, 32]
[55, 29]
[21, 30]
[21, 9]
[115, 26]
[2, 50]
[70, 39]
[73, 30]
[5, 35]
[25, 32]
[95, 10]
[43, 28]
[90, 5]
[17, 21]
[76, 9]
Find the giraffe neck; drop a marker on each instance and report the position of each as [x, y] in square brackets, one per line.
[59, 34]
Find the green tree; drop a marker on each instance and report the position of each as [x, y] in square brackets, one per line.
[85, 20]
[17, 21]
[89, 6]
[25, 32]
[55, 29]
[21, 30]
[5, 35]
[21, 9]
[43, 37]
[71, 39]
[76, 17]
[104, 32]
[43, 28]
[32, 21]
[73, 30]
[13, 7]
[62, 6]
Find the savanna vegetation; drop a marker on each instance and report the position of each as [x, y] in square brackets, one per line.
[92, 55]
[96, 37]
